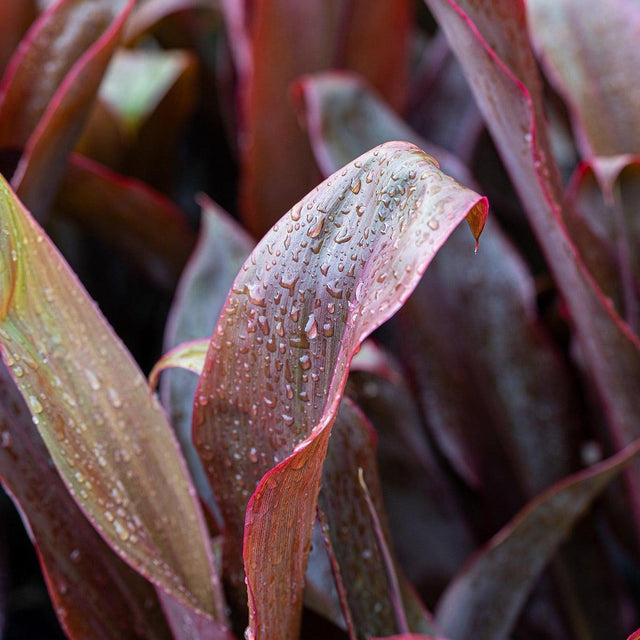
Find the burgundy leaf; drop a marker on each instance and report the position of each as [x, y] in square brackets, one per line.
[344, 117]
[15, 18]
[107, 436]
[605, 193]
[355, 535]
[94, 593]
[188, 624]
[45, 112]
[498, 349]
[483, 602]
[142, 224]
[420, 501]
[284, 40]
[491, 43]
[335, 267]
[590, 56]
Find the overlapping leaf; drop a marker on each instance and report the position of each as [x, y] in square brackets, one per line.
[94, 593]
[335, 267]
[110, 441]
[485, 599]
[355, 540]
[604, 224]
[490, 40]
[420, 502]
[499, 347]
[15, 18]
[222, 248]
[44, 112]
[591, 58]
[281, 41]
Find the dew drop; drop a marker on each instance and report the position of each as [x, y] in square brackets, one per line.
[433, 224]
[253, 454]
[355, 186]
[94, 383]
[35, 405]
[114, 398]
[311, 328]
[122, 532]
[314, 232]
[305, 362]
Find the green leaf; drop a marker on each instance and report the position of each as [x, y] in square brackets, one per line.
[108, 438]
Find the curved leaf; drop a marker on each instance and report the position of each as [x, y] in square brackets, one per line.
[94, 593]
[73, 41]
[484, 601]
[590, 56]
[492, 46]
[109, 440]
[344, 117]
[340, 263]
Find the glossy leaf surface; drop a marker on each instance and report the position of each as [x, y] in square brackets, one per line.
[490, 40]
[110, 441]
[485, 599]
[354, 535]
[498, 348]
[95, 594]
[45, 112]
[591, 58]
[335, 267]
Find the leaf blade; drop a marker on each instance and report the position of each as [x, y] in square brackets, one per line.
[303, 318]
[85, 393]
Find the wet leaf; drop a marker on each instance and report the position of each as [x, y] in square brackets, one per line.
[497, 354]
[44, 113]
[590, 57]
[334, 268]
[108, 438]
[140, 223]
[222, 248]
[94, 593]
[285, 40]
[355, 535]
[484, 601]
[492, 46]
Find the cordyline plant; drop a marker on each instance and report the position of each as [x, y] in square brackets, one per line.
[468, 472]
